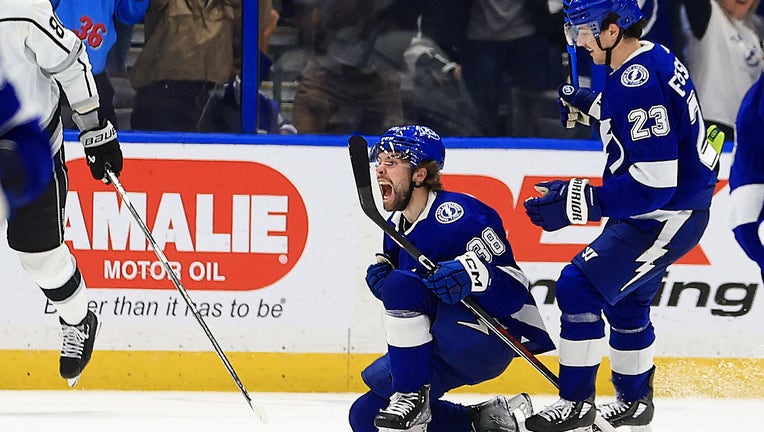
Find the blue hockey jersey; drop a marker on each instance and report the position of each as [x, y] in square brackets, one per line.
[655, 139]
[747, 174]
[748, 160]
[93, 22]
[453, 223]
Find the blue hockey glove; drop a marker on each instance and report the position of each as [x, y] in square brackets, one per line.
[26, 166]
[563, 203]
[377, 272]
[102, 149]
[577, 105]
[454, 280]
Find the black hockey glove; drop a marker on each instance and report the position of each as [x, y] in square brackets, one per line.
[102, 149]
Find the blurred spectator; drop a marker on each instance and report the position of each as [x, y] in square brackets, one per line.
[116, 62]
[433, 92]
[94, 22]
[189, 50]
[724, 57]
[223, 111]
[351, 81]
[503, 51]
[658, 24]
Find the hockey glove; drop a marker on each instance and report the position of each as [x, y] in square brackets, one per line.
[102, 150]
[377, 272]
[563, 203]
[454, 280]
[26, 166]
[577, 105]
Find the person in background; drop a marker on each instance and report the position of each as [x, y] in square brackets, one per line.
[351, 81]
[41, 57]
[724, 57]
[435, 344]
[95, 23]
[223, 110]
[189, 50]
[747, 175]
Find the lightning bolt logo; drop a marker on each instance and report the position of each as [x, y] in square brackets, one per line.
[673, 221]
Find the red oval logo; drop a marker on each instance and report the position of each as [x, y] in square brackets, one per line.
[223, 225]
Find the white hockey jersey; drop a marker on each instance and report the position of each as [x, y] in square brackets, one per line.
[38, 53]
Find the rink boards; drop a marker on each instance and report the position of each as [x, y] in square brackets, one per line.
[271, 245]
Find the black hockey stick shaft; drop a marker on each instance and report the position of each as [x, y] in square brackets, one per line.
[168, 268]
[359, 158]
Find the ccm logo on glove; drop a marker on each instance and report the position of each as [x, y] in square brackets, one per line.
[477, 271]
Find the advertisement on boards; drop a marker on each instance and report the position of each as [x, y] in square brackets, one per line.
[271, 245]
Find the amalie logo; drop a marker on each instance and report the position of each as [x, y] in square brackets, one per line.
[223, 225]
[523, 235]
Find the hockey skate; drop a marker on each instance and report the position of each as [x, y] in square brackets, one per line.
[637, 415]
[500, 414]
[77, 347]
[563, 415]
[408, 412]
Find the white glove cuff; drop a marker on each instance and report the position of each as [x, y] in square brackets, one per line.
[100, 136]
[478, 272]
[576, 208]
[595, 109]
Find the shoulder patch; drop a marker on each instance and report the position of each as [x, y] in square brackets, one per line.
[634, 76]
[449, 212]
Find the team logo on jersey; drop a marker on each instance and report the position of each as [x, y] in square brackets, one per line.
[449, 212]
[634, 76]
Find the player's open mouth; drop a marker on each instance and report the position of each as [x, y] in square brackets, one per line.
[386, 189]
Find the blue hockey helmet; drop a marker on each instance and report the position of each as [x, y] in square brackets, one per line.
[592, 13]
[416, 143]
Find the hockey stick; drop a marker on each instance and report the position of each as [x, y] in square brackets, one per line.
[359, 158]
[570, 65]
[259, 411]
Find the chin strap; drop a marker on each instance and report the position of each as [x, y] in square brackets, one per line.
[609, 51]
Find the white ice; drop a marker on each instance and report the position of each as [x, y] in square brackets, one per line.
[116, 411]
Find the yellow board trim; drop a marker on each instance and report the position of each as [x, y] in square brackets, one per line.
[338, 373]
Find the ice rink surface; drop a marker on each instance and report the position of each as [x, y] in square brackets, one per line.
[116, 411]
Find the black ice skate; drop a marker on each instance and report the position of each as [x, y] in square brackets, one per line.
[77, 347]
[499, 414]
[406, 412]
[637, 414]
[563, 415]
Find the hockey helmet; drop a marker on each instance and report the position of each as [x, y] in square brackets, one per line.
[592, 13]
[417, 144]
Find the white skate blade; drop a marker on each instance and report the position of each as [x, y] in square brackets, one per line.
[646, 428]
[73, 381]
[416, 428]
